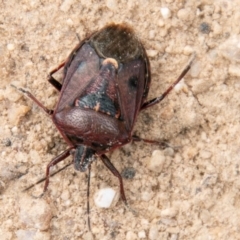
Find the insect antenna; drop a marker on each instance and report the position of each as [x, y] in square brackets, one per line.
[44, 178]
[88, 196]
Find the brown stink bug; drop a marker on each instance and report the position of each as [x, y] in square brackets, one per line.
[105, 86]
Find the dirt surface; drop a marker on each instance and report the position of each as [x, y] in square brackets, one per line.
[194, 191]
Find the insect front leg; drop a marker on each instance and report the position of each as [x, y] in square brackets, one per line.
[55, 161]
[115, 172]
[46, 110]
[52, 80]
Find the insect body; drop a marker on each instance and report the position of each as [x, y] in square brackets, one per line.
[105, 85]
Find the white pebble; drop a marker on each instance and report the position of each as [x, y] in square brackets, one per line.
[188, 50]
[169, 213]
[14, 129]
[152, 53]
[70, 22]
[10, 46]
[166, 13]
[131, 235]
[142, 234]
[105, 197]
[157, 161]
[65, 195]
[180, 86]
[174, 236]
[111, 4]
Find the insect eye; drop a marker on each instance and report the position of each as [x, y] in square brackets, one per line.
[133, 82]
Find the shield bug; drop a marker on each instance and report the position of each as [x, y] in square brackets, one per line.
[105, 85]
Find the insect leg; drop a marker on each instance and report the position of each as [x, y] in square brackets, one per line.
[156, 100]
[163, 144]
[46, 110]
[52, 80]
[115, 172]
[55, 161]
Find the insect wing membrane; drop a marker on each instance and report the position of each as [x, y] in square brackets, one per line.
[80, 69]
[131, 83]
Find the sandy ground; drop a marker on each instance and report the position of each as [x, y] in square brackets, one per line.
[194, 191]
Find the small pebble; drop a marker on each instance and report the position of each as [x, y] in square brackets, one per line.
[131, 235]
[15, 129]
[196, 68]
[141, 234]
[204, 28]
[174, 236]
[161, 23]
[153, 233]
[6, 142]
[16, 112]
[157, 161]
[183, 14]
[70, 22]
[169, 213]
[105, 197]
[152, 53]
[166, 13]
[128, 173]
[111, 4]
[188, 50]
[87, 236]
[10, 46]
